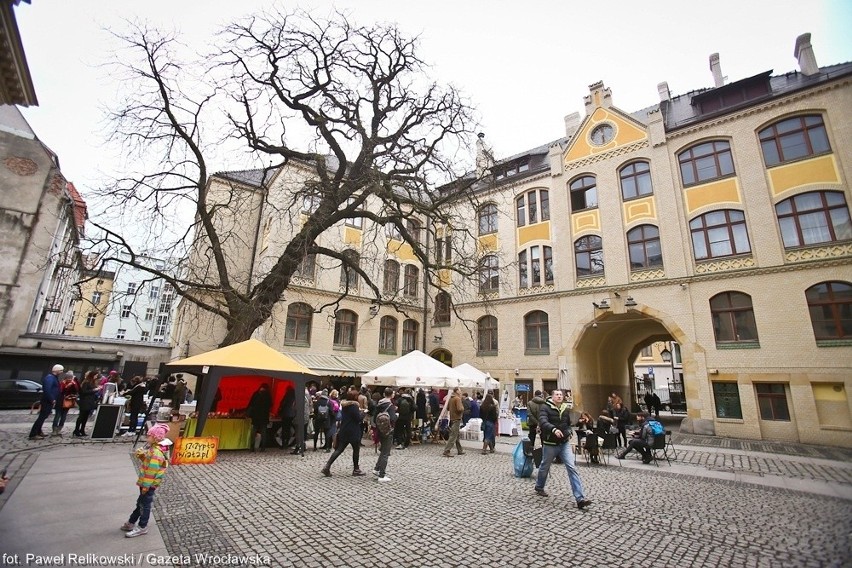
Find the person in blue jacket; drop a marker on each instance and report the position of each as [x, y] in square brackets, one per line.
[49, 396]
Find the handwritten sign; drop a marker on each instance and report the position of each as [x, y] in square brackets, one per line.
[195, 450]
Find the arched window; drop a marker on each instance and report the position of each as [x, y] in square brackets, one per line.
[414, 227]
[345, 329]
[719, 233]
[348, 277]
[489, 274]
[706, 162]
[532, 207]
[588, 253]
[487, 333]
[387, 335]
[297, 330]
[814, 218]
[442, 308]
[792, 139]
[307, 267]
[488, 219]
[830, 308]
[635, 180]
[530, 264]
[733, 318]
[409, 335]
[412, 276]
[584, 193]
[643, 243]
[536, 334]
[391, 282]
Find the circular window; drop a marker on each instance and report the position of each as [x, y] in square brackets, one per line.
[602, 134]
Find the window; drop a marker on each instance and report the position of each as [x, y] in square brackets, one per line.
[488, 219]
[588, 253]
[536, 333]
[830, 308]
[635, 180]
[96, 298]
[532, 206]
[120, 333]
[772, 401]
[387, 335]
[149, 314]
[348, 276]
[793, 138]
[647, 352]
[145, 336]
[733, 318]
[345, 324]
[814, 218]
[727, 398]
[307, 267]
[412, 276]
[719, 233]
[160, 327]
[489, 276]
[643, 243]
[511, 169]
[392, 231]
[530, 265]
[154, 292]
[310, 201]
[414, 228]
[165, 303]
[391, 282]
[409, 335]
[90, 319]
[125, 311]
[297, 330]
[487, 334]
[442, 308]
[706, 162]
[131, 287]
[584, 193]
[357, 221]
[444, 250]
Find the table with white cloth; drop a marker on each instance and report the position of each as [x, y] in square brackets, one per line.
[509, 426]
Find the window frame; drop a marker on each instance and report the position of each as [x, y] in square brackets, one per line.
[640, 238]
[489, 274]
[388, 327]
[126, 311]
[689, 158]
[535, 268]
[589, 248]
[120, 333]
[772, 405]
[91, 319]
[771, 136]
[390, 280]
[836, 307]
[411, 281]
[349, 278]
[307, 267]
[301, 315]
[354, 222]
[410, 331]
[831, 223]
[629, 173]
[730, 228]
[443, 309]
[537, 330]
[532, 207]
[345, 330]
[726, 397]
[487, 335]
[734, 317]
[583, 193]
[487, 215]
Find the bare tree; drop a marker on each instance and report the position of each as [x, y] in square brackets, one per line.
[349, 104]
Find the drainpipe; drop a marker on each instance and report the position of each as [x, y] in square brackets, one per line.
[425, 284]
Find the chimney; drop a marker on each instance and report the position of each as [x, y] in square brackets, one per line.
[572, 123]
[716, 68]
[805, 54]
[484, 156]
[663, 89]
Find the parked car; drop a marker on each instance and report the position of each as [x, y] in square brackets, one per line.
[19, 393]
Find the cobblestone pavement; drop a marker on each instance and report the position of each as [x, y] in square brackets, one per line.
[471, 511]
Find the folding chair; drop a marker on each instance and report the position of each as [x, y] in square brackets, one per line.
[609, 446]
[670, 446]
[659, 446]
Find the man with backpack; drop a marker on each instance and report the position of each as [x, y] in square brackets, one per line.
[383, 422]
[533, 408]
[402, 428]
[643, 440]
[322, 419]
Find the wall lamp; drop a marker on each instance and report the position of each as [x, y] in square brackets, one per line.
[602, 305]
[629, 302]
[437, 339]
[374, 310]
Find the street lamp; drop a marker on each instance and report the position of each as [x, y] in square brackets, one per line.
[667, 354]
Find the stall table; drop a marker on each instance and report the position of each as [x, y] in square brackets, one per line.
[509, 427]
[233, 433]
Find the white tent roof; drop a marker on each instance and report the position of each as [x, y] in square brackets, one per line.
[415, 369]
[475, 378]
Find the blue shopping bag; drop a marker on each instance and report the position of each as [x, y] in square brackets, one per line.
[523, 465]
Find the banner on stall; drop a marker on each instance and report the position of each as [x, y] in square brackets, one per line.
[195, 450]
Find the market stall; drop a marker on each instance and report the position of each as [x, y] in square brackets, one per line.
[227, 379]
[414, 369]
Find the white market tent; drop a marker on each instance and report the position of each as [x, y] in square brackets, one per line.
[476, 379]
[414, 369]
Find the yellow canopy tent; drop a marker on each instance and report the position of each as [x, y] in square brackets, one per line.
[250, 357]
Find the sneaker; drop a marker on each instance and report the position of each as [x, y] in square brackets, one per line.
[326, 472]
[138, 531]
[400, 447]
[541, 492]
[583, 503]
[384, 479]
[461, 453]
[128, 526]
[376, 472]
[447, 455]
[358, 473]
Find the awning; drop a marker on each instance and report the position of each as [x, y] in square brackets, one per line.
[62, 354]
[339, 365]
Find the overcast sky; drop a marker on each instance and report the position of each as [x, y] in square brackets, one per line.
[524, 65]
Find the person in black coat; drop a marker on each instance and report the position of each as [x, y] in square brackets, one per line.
[258, 409]
[349, 433]
[137, 401]
[287, 414]
[87, 402]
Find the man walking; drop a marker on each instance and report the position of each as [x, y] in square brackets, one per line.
[455, 408]
[385, 433]
[554, 422]
[533, 408]
[49, 397]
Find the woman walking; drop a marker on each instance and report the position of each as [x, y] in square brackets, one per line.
[67, 398]
[488, 413]
[349, 433]
[87, 402]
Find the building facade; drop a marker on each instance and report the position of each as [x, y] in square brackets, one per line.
[717, 221]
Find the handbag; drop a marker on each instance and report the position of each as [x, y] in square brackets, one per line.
[69, 402]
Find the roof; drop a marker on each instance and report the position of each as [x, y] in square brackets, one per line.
[16, 83]
[250, 354]
[79, 206]
[337, 364]
[254, 178]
